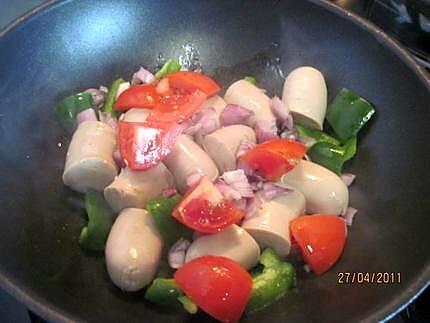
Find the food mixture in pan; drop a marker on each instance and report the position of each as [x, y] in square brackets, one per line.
[226, 187]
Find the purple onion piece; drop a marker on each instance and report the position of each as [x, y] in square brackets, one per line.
[168, 192]
[86, 115]
[348, 178]
[282, 113]
[349, 215]
[176, 256]
[97, 95]
[272, 190]
[265, 130]
[118, 159]
[238, 181]
[142, 76]
[234, 114]
[244, 146]
[252, 206]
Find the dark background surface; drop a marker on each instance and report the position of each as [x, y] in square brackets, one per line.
[11, 311]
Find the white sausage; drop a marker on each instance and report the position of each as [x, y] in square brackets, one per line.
[249, 96]
[270, 225]
[89, 161]
[234, 243]
[135, 115]
[324, 191]
[223, 143]
[133, 250]
[187, 158]
[135, 188]
[305, 94]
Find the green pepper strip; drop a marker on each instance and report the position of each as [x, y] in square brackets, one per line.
[111, 97]
[276, 278]
[161, 209]
[250, 79]
[348, 113]
[333, 156]
[164, 291]
[100, 219]
[317, 135]
[68, 109]
[169, 67]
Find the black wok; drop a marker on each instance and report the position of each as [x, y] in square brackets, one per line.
[72, 45]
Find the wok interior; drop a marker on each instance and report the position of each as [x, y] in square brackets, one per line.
[79, 44]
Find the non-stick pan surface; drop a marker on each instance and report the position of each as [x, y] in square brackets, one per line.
[72, 45]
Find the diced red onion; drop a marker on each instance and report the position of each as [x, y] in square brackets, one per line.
[121, 88]
[289, 134]
[142, 76]
[244, 146]
[240, 204]
[266, 130]
[176, 256]
[347, 178]
[238, 181]
[203, 122]
[86, 115]
[272, 190]
[193, 179]
[168, 192]
[118, 159]
[249, 171]
[234, 114]
[349, 215]
[282, 113]
[253, 205]
[97, 95]
[107, 118]
[227, 191]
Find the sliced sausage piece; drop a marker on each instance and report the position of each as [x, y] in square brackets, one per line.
[305, 94]
[89, 161]
[186, 159]
[222, 145]
[270, 225]
[133, 250]
[249, 96]
[135, 188]
[234, 243]
[135, 115]
[324, 191]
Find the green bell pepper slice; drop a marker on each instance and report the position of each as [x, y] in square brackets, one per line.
[272, 283]
[161, 209]
[169, 67]
[348, 113]
[100, 219]
[250, 79]
[333, 156]
[68, 109]
[111, 97]
[317, 135]
[165, 292]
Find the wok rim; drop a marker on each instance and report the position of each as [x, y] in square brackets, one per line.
[54, 313]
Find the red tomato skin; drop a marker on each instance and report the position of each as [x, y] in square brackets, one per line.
[142, 144]
[177, 107]
[202, 216]
[189, 81]
[137, 96]
[218, 285]
[273, 158]
[321, 239]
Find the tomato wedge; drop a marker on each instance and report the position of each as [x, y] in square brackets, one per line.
[177, 107]
[143, 144]
[321, 239]
[204, 209]
[273, 158]
[190, 81]
[218, 285]
[137, 96]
